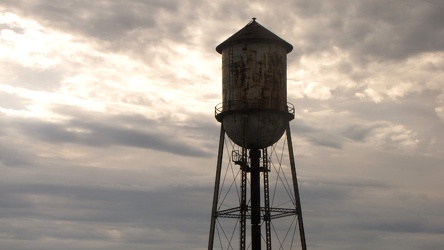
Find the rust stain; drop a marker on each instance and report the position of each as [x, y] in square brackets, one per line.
[254, 90]
[255, 75]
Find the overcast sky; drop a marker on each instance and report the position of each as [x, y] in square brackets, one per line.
[108, 138]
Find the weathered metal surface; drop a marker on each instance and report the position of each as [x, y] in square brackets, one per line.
[254, 71]
[254, 129]
[254, 92]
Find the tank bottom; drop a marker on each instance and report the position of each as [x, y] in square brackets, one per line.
[254, 128]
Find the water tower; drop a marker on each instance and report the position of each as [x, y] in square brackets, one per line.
[254, 116]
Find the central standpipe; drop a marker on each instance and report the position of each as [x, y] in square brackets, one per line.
[255, 189]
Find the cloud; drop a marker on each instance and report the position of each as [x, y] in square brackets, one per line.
[87, 131]
[95, 19]
[384, 135]
[12, 156]
[309, 90]
[370, 94]
[373, 30]
[79, 209]
[440, 112]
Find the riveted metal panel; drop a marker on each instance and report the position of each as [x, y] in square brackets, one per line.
[254, 76]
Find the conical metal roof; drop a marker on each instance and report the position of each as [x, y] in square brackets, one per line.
[253, 30]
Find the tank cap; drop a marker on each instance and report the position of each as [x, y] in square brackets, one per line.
[253, 30]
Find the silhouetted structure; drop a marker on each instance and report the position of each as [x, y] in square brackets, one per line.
[254, 115]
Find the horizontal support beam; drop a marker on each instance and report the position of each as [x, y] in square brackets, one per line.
[274, 213]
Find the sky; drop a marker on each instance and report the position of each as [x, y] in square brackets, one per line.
[108, 138]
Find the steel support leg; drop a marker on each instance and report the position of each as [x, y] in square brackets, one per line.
[216, 187]
[296, 189]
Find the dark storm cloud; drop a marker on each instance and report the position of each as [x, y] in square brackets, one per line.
[131, 26]
[135, 26]
[410, 27]
[361, 132]
[371, 30]
[13, 156]
[112, 204]
[82, 207]
[361, 206]
[106, 133]
[317, 136]
[414, 105]
[325, 140]
[98, 204]
[331, 190]
[105, 20]
[101, 130]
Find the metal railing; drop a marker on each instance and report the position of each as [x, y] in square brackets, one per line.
[251, 104]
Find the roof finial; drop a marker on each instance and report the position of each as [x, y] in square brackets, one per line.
[254, 19]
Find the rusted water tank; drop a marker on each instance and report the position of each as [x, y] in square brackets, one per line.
[254, 111]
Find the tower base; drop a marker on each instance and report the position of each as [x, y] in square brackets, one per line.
[272, 196]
